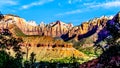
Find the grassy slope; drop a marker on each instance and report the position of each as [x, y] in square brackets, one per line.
[16, 31]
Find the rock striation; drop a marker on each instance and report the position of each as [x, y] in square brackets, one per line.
[54, 29]
[67, 32]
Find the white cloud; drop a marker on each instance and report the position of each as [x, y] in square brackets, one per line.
[7, 3]
[108, 4]
[4, 5]
[73, 1]
[70, 12]
[40, 2]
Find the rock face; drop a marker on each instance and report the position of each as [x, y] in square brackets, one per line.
[87, 29]
[55, 29]
[27, 27]
[58, 28]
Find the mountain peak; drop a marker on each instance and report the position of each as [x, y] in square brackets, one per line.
[32, 23]
[58, 28]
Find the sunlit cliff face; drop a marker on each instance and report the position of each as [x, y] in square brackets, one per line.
[95, 27]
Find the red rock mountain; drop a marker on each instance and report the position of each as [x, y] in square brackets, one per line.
[55, 29]
[58, 28]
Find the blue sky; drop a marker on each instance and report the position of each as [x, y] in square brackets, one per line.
[69, 11]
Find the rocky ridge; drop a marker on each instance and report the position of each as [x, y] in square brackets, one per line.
[54, 29]
[67, 32]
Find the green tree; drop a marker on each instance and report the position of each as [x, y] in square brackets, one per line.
[32, 57]
[7, 41]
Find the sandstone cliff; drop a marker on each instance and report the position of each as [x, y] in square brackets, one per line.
[58, 28]
[87, 29]
[67, 32]
[55, 29]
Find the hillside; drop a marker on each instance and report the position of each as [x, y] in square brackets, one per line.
[58, 28]
[110, 57]
[46, 48]
[57, 39]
